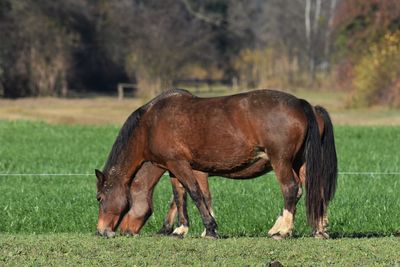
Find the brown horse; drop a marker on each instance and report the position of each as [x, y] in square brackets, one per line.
[238, 136]
[178, 202]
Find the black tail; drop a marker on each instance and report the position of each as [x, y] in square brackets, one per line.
[329, 159]
[315, 200]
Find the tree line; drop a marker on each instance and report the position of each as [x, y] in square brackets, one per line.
[51, 47]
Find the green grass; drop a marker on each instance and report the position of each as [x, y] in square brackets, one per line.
[50, 213]
[88, 250]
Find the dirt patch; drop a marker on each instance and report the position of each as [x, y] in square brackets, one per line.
[102, 110]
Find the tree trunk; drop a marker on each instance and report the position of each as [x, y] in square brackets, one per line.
[327, 44]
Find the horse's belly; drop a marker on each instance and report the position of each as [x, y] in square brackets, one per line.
[230, 161]
[256, 169]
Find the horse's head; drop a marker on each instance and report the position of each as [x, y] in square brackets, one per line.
[113, 203]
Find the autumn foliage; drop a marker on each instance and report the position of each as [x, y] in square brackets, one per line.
[368, 51]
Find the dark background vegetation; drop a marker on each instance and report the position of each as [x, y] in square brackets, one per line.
[58, 47]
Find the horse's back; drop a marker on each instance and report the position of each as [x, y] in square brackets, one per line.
[269, 109]
[167, 94]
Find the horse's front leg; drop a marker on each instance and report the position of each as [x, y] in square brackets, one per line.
[291, 190]
[188, 178]
[141, 193]
[202, 179]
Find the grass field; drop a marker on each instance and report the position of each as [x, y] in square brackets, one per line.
[51, 219]
[87, 250]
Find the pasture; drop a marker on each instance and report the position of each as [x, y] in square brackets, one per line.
[51, 219]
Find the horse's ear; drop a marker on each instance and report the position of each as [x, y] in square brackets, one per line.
[100, 176]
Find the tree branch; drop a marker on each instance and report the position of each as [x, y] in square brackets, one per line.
[202, 17]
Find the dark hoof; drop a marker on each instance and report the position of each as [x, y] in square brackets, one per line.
[211, 235]
[106, 234]
[321, 235]
[165, 230]
[110, 234]
[178, 236]
[128, 234]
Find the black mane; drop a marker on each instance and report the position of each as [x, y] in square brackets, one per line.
[128, 129]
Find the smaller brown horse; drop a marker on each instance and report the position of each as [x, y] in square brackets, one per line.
[238, 136]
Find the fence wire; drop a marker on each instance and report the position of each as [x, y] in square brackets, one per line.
[344, 173]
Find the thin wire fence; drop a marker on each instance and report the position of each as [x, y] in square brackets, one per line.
[360, 173]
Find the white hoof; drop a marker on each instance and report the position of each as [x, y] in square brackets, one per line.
[283, 226]
[181, 230]
[203, 234]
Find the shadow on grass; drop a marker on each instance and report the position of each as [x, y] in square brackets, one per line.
[337, 235]
[334, 235]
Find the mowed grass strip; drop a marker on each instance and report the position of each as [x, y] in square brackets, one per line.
[89, 250]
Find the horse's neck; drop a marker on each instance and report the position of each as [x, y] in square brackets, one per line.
[130, 161]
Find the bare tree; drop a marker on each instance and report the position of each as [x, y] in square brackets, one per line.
[36, 50]
[328, 32]
[318, 19]
[48, 46]
[156, 46]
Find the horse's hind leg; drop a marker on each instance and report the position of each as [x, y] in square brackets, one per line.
[321, 231]
[188, 178]
[291, 190]
[168, 224]
[180, 197]
[177, 206]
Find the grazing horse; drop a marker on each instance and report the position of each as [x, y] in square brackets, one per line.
[237, 136]
[178, 202]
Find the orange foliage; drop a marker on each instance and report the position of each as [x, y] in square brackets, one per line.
[365, 21]
[377, 75]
